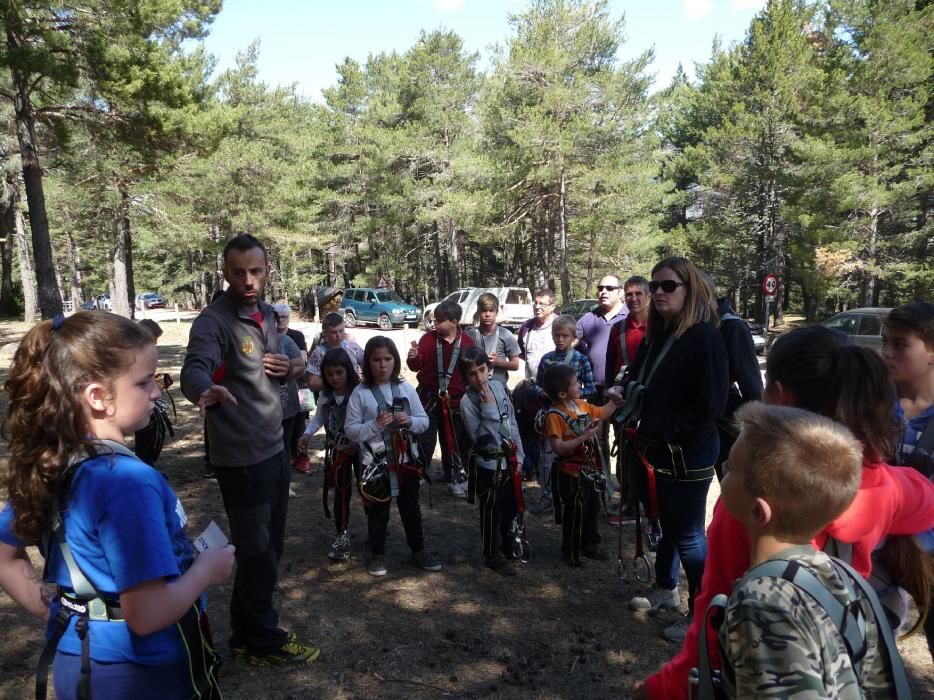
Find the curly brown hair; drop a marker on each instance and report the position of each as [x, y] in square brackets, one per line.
[47, 420]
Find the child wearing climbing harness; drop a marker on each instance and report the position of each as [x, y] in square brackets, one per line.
[127, 618]
[570, 428]
[440, 388]
[341, 456]
[495, 475]
[383, 417]
[499, 344]
[563, 333]
[782, 634]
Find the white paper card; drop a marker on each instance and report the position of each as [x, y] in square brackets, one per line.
[212, 538]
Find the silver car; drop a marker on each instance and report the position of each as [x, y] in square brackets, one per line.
[863, 325]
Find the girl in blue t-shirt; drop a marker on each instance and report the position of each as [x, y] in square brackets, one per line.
[76, 388]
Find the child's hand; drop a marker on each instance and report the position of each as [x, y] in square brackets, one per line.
[615, 394]
[593, 429]
[218, 562]
[303, 443]
[402, 418]
[492, 358]
[413, 350]
[486, 394]
[384, 419]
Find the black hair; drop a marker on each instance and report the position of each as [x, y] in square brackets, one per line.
[558, 378]
[243, 241]
[338, 357]
[827, 374]
[448, 311]
[374, 344]
[472, 356]
[634, 280]
[915, 317]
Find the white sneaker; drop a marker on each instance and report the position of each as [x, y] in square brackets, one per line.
[340, 550]
[457, 489]
[656, 599]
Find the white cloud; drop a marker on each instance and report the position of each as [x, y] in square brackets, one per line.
[747, 4]
[449, 5]
[696, 9]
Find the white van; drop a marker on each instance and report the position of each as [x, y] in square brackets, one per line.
[515, 305]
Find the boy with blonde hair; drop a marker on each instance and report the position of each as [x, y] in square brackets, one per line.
[785, 630]
[499, 344]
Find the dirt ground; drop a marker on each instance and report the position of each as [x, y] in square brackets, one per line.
[551, 632]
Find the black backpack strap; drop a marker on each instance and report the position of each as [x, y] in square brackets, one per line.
[922, 456]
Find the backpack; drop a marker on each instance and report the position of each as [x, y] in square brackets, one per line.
[848, 621]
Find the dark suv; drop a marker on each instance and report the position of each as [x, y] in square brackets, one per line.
[383, 307]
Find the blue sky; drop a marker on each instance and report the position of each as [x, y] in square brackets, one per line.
[302, 40]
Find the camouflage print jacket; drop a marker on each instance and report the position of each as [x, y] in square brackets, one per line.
[777, 642]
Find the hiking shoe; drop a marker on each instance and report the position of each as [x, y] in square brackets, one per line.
[301, 465]
[678, 631]
[340, 550]
[595, 552]
[426, 561]
[377, 565]
[289, 654]
[656, 599]
[501, 566]
[543, 506]
[457, 490]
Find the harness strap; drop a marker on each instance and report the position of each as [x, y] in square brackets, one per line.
[48, 653]
[634, 392]
[444, 377]
[705, 689]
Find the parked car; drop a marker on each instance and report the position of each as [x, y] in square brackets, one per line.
[102, 302]
[460, 296]
[89, 305]
[863, 325]
[383, 307]
[149, 300]
[515, 305]
[578, 308]
[758, 336]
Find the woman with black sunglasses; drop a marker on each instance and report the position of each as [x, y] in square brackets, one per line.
[683, 367]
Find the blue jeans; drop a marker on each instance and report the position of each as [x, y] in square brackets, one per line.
[682, 506]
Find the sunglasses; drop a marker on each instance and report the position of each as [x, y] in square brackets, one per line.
[667, 286]
[606, 288]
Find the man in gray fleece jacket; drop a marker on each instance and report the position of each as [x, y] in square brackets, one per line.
[232, 370]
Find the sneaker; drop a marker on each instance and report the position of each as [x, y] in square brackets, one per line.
[678, 631]
[340, 550]
[501, 566]
[377, 565]
[457, 490]
[208, 472]
[426, 561]
[656, 599]
[595, 552]
[543, 506]
[292, 493]
[289, 654]
[301, 465]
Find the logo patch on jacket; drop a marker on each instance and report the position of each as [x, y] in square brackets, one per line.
[247, 345]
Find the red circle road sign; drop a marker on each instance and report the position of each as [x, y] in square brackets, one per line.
[769, 285]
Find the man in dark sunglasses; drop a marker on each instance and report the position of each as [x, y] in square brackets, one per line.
[593, 328]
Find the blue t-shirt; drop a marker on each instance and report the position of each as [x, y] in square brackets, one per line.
[125, 526]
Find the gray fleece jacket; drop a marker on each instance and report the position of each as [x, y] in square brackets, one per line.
[227, 339]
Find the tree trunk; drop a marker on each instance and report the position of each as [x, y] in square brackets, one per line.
[122, 256]
[563, 237]
[74, 266]
[49, 297]
[440, 288]
[30, 301]
[454, 255]
[10, 205]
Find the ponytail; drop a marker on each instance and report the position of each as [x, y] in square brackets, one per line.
[913, 569]
[47, 420]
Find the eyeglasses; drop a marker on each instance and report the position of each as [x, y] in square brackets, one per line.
[667, 286]
[606, 287]
[547, 303]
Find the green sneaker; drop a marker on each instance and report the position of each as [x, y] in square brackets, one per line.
[289, 654]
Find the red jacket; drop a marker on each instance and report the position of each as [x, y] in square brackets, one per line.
[425, 363]
[890, 500]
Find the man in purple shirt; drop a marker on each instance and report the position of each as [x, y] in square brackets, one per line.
[593, 328]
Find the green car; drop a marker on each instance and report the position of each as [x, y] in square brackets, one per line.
[383, 307]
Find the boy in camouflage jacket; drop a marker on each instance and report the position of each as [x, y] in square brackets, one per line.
[789, 474]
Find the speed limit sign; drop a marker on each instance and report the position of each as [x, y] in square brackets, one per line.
[770, 285]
